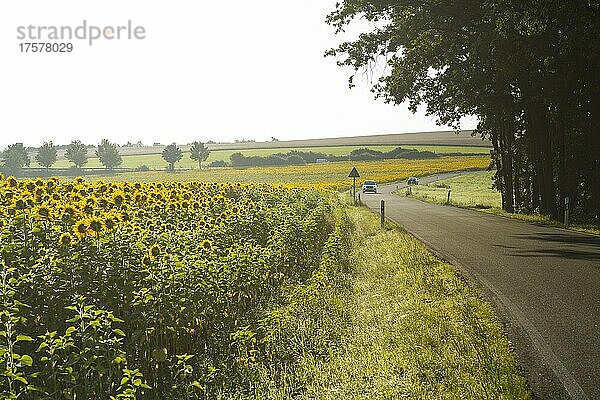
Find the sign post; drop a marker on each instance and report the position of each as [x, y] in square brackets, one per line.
[354, 174]
[566, 221]
[382, 213]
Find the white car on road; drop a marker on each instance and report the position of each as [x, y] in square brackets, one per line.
[369, 186]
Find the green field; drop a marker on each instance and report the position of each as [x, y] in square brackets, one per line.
[155, 161]
[473, 190]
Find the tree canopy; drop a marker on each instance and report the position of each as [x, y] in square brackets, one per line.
[199, 152]
[172, 154]
[46, 155]
[77, 153]
[109, 154]
[527, 69]
[14, 158]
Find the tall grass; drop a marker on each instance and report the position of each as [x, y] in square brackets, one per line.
[470, 190]
[418, 330]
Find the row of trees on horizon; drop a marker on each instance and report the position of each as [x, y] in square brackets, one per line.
[16, 157]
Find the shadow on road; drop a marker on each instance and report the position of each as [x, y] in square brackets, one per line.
[588, 242]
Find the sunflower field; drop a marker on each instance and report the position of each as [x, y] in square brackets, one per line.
[164, 290]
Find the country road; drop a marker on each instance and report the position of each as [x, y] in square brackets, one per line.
[544, 282]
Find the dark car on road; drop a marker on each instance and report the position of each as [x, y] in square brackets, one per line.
[412, 181]
[369, 186]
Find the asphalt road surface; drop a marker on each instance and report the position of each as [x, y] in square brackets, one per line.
[544, 282]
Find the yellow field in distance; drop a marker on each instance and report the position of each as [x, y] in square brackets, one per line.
[323, 175]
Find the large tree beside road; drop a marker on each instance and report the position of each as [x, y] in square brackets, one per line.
[527, 69]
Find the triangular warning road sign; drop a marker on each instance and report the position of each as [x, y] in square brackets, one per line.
[354, 173]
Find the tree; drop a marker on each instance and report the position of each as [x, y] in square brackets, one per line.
[199, 152]
[77, 153]
[14, 158]
[46, 155]
[109, 154]
[526, 69]
[171, 155]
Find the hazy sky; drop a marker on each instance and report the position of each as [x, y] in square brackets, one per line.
[207, 70]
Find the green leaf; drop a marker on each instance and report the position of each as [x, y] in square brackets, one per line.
[70, 330]
[95, 324]
[24, 338]
[27, 360]
[119, 332]
[197, 384]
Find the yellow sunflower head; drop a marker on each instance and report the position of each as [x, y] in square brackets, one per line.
[110, 223]
[80, 229]
[153, 251]
[96, 225]
[65, 239]
[206, 245]
[43, 212]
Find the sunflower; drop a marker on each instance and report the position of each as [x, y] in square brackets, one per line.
[43, 212]
[20, 204]
[96, 225]
[68, 213]
[206, 245]
[65, 239]
[80, 229]
[154, 251]
[118, 200]
[88, 209]
[110, 223]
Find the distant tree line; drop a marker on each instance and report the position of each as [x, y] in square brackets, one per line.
[365, 154]
[16, 157]
[528, 69]
[294, 157]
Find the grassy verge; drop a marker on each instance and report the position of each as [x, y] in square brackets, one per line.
[475, 191]
[418, 330]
